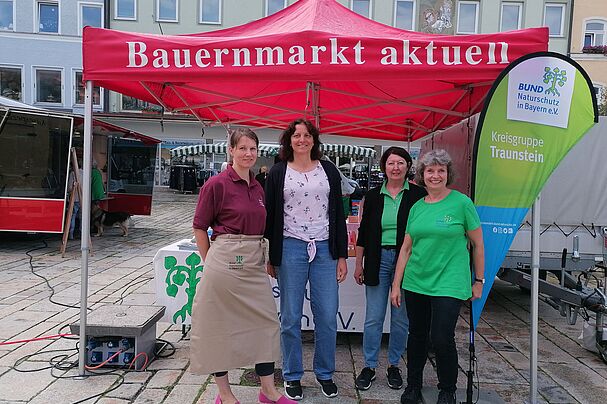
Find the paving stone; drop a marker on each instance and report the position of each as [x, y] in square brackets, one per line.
[166, 364]
[19, 386]
[137, 377]
[72, 389]
[184, 394]
[191, 378]
[164, 378]
[151, 396]
[126, 391]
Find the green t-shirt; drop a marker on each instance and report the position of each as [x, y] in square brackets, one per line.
[390, 213]
[97, 190]
[440, 263]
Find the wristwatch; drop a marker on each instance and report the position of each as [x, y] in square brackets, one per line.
[481, 280]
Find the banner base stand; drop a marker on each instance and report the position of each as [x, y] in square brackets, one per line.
[430, 395]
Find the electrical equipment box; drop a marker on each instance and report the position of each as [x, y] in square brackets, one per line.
[121, 333]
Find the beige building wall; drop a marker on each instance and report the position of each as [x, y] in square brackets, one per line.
[595, 64]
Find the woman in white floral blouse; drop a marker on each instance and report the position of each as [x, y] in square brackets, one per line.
[306, 229]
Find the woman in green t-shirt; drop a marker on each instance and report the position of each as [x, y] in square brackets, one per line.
[433, 268]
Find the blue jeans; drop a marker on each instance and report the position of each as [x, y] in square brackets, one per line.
[293, 275]
[377, 300]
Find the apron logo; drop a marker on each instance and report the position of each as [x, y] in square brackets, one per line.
[237, 264]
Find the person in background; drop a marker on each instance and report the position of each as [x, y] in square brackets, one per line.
[261, 177]
[433, 268]
[97, 188]
[380, 237]
[306, 229]
[71, 182]
[234, 318]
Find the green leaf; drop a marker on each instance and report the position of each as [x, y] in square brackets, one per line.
[192, 260]
[170, 262]
[172, 290]
[179, 278]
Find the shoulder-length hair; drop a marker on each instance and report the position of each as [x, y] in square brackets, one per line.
[399, 151]
[434, 157]
[286, 150]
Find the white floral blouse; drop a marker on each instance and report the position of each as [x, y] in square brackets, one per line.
[306, 204]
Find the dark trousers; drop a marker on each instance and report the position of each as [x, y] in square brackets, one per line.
[262, 369]
[432, 318]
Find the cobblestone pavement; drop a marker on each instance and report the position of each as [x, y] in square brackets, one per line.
[121, 272]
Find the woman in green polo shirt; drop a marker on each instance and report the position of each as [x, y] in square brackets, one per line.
[380, 236]
[435, 262]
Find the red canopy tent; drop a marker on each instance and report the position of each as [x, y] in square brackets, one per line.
[316, 58]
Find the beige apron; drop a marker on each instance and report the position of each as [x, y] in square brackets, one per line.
[234, 318]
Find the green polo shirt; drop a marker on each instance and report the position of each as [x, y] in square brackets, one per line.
[390, 214]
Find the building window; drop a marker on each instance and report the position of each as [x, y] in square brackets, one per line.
[404, 10]
[49, 86]
[554, 18]
[467, 17]
[210, 11]
[10, 82]
[48, 17]
[126, 10]
[273, 6]
[362, 7]
[91, 15]
[511, 16]
[595, 32]
[79, 91]
[167, 10]
[7, 20]
[135, 104]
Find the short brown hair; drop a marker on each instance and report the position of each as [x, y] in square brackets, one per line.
[237, 134]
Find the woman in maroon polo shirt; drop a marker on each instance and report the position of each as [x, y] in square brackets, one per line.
[234, 318]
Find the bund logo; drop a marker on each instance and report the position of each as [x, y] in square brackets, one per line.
[237, 264]
[554, 77]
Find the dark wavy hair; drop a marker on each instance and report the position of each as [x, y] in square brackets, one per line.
[399, 151]
[286, 151]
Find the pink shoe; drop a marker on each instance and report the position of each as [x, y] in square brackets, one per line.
[218, 400]
[281, 400]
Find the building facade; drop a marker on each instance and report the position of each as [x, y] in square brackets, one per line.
[41, 57]
[589, 41]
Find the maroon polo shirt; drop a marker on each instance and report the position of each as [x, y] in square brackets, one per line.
[229, 205]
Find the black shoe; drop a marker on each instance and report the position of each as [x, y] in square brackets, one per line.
[446, 397]
[395, 380]
[293, 390]
[365, 378]
[411, 395]
[328, 388]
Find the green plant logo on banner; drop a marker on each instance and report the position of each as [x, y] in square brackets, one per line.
[537, 110]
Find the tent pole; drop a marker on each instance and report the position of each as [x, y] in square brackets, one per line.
[86, 221]
[535, 273]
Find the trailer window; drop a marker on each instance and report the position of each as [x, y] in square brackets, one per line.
[34, 156]
[132, 167]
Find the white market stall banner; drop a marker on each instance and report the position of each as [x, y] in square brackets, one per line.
[178, 269]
